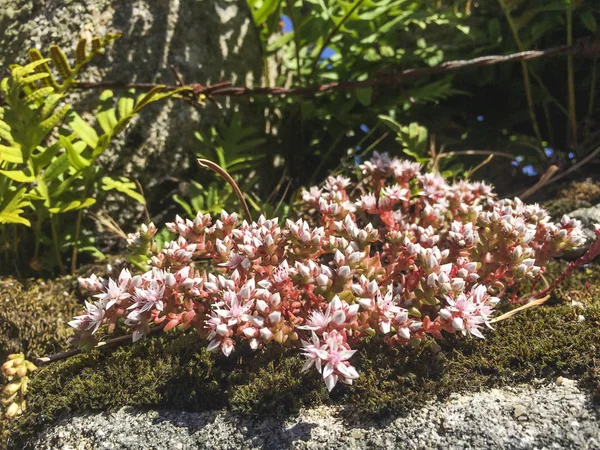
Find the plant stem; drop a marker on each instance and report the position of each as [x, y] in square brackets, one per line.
[591, 97]
[56, 244]
[296, 40]
[401, 77]
[331, 35]
[526, 81]
[206, 164]
[101, 344]
[76, 241]
[571, 78]
[374, 144]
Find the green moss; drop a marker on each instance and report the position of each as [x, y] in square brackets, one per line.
[34, 315]
[175, 371]
[574, 196]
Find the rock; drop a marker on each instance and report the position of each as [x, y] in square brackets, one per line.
[489, 419]
[589, 217]
[519, 410]
[206, 40]
[356, 434]
[562, 381]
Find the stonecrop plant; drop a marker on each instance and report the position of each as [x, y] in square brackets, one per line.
[399, 254]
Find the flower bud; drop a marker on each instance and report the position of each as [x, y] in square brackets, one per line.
[266, 334]
[249, 332]
[344, 272]
[404, 333]
[11, 388]
[338, 318]
[22, 371]
[275, 317]
[261, 306]
[12, 411]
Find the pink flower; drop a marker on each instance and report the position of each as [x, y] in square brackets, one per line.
[330, 358]
[114, 292]
[92, 319]
[149, 298]
[468, 312]
[236, 312]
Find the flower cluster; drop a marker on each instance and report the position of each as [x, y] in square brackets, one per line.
[401, 254]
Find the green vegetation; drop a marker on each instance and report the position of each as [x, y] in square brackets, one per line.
[49, 172]
[540, 112]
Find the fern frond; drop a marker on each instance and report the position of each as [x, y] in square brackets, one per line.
[65, 70]
[11, 209]
[61, 63]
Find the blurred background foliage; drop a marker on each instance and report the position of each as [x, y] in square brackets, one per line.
[526, 116]
[541, 112]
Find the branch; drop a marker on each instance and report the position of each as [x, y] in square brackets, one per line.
[101, 344]
[583, 47]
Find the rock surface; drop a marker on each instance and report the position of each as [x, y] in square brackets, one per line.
[206, 40]
[555, 415]
[589, 217]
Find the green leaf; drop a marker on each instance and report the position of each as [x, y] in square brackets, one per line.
[63, 207]
[11, 154]
[44, 156]
[94, 251]
[106, 115]
[125, 106]
[48, 125]
[364, 96]
[280, 42]
[84, 131]
[390, 122]
[59, 166]
[185, 205]
[125, 186]
[18, 175]
[74, 153]
[60, 62]
[267, 8]
[12, 207]
[589, 21]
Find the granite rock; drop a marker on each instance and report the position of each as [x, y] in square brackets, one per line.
[557, 415]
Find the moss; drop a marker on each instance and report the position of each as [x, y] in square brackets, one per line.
[574, 196]
[175, 371]
[34, 315]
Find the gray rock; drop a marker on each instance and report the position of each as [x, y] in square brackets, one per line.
[519, 411]
[559, 416]
[589, 217]
[206, 40]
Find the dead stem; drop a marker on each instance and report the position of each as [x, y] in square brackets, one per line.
[206, 164]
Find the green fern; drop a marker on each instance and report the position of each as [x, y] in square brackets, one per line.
[69, 73]
[233, 146]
